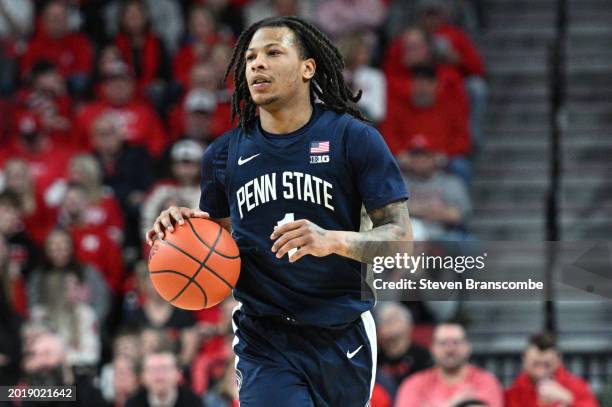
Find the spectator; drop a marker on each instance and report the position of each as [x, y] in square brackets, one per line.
[398, 357]
[228, 15]
[202, 35]
[441, 121]
[119, 378]
[161, 377]
[103, 208]
[45, 365]
[59, 258]
[143, 51]
[127, 169]
[10, 324]
[92, 244]
[63, 307]
[36, 216]
[22, 251]
[225, 392]
[183, 185]
[12, 283]
[47, 160]
[156, 313]
[139, 123]
[454, 48]
[15, 26]
[124, 381]
[47, 98]
[452, 380]
[545, 381]
[71, 52]
[257, 10]
[357, 50]
[207, 77]
[440, 201]
[341, 17]
[106, 65]
[166, 20]
[196, 116]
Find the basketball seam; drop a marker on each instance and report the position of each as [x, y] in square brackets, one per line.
[206, 244]
[183, 275]
[212, 250]
[202, 264]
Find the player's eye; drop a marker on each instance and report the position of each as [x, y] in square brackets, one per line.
[274, 52]
[250, 57]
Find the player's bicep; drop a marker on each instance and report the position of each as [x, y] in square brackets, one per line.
[378, 177]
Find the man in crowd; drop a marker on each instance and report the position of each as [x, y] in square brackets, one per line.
[452, 381]
[398, 357]
[70, 51]
[545, 381]
[161, 377]
[439, 200]
[139, 123]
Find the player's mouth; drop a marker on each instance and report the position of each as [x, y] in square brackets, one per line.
[260, 83]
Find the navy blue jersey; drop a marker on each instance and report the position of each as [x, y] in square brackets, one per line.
[321, 172]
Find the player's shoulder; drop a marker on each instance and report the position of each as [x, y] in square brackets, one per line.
[354, 126]
[219, 147]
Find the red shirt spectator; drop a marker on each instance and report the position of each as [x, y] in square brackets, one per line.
[430, 112]
[202, 37]
[103, 210]
[46, 160]
[452, 46]
[524, 392]
[71, 52]
[139, 46]
[139, 123]
[204, 77]
[92, 244]
[470, 62]
[545, 382]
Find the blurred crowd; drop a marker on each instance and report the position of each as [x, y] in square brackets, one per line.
[106, 108]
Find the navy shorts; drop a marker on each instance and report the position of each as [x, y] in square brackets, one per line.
[283, 364]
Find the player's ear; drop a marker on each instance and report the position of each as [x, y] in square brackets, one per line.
[309, 67]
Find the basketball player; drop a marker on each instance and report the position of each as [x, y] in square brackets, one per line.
[291, 181]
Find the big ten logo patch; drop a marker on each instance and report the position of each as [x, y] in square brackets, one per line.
[319, 159]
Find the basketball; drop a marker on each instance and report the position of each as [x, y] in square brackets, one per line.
[196, 266]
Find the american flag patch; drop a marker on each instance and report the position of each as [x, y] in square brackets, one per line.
[318, 147]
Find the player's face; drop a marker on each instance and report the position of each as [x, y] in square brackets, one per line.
[275, 71]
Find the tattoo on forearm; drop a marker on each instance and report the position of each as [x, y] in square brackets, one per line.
[390, 223]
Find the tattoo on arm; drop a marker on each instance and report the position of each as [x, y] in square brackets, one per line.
[390, 223]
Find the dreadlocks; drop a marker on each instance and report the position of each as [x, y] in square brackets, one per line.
[327, 84]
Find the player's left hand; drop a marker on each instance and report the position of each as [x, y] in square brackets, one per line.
[304, 236]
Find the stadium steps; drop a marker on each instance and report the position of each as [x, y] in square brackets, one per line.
[586, 184]
[511, 170]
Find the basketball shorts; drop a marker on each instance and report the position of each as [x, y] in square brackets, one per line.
[283, 364]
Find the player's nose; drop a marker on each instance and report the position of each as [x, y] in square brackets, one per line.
[258, 63]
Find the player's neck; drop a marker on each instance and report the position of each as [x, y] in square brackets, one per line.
[286, 119]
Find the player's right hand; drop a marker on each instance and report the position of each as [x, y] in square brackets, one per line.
[169, 217]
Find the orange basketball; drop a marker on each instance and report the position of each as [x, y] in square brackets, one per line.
[196, 266]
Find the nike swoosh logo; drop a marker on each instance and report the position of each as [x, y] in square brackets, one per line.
[246, 160]
[353, 353]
